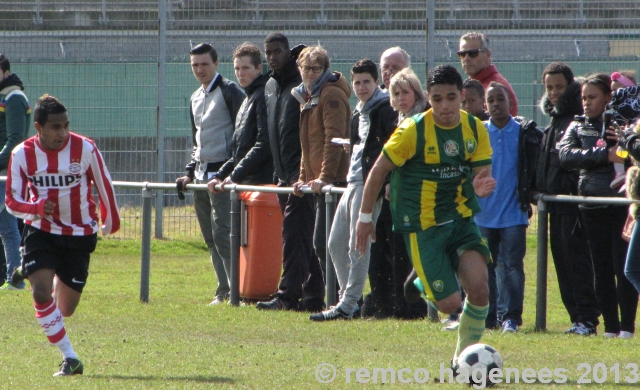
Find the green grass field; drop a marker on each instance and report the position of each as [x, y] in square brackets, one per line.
[177, 342]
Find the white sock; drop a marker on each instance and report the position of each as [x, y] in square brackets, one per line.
[52, 323]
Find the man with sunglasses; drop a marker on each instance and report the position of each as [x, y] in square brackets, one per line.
[475, 58]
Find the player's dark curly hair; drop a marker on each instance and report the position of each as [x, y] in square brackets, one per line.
[559, 67]
[444, 74]
[45, 106]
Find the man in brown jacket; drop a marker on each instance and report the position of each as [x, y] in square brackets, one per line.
[325, 114]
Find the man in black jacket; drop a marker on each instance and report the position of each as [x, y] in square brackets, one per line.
[301, 286]
[574, 269]
[250, 161]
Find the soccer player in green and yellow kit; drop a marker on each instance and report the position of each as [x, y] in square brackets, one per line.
[440, 161]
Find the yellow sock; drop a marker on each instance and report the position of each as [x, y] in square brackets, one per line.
[471, 327]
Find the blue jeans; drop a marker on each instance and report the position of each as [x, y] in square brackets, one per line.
[10, 236]
[632, 265]
[508, 247]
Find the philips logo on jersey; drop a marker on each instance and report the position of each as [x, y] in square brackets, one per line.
[55, 181]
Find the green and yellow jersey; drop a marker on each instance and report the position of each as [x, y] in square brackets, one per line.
[433, 182]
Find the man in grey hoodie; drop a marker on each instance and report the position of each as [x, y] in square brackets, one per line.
[373, 122]
[213, 109]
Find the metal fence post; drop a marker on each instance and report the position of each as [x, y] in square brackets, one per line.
[332, 299]
[103, 18]
[431, 35]
[161, 114]
[236, 230]
[541, 283]
[37, 18]
[321, 18]
[146, 245]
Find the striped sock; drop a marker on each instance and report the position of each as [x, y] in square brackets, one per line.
[471, 327]
[52, 323]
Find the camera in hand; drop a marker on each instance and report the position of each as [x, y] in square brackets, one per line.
[609, 119]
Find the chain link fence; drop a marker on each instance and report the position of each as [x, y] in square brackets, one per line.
[122, 67]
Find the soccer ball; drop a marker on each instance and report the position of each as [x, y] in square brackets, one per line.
[478, 360]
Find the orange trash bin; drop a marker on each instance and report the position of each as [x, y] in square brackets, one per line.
[261, 250]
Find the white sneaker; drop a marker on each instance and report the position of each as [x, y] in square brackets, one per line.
[216, 301]
[452, 326]
[609, 335]
[625, 335]
[447, 322]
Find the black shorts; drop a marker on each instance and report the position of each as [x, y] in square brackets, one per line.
[67, 255]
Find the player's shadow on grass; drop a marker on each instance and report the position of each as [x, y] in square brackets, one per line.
[197, 378]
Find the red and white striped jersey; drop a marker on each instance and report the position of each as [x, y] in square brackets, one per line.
[64, 177]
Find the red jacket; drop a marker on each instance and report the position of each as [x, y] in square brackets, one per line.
[489, 74]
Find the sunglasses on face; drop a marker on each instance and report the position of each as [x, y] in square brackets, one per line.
[473, 53]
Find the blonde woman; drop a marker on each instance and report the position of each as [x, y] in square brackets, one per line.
[407, 96]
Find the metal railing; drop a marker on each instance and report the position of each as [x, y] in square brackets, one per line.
[331, 193]
[330, 199]
[543, 238]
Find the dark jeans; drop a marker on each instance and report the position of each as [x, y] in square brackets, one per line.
[608, 252]
[389, 267]
[508, 247]
[491, 322]
[301, 274]
[573, 265]
[380, 302]
[3, 264]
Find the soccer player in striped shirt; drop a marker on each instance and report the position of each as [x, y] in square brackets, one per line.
[49, 186]
[440, 161]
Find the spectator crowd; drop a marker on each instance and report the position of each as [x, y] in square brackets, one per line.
[293, 126]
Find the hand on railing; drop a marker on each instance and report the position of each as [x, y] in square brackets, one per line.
[297, 188]
[213, 183]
